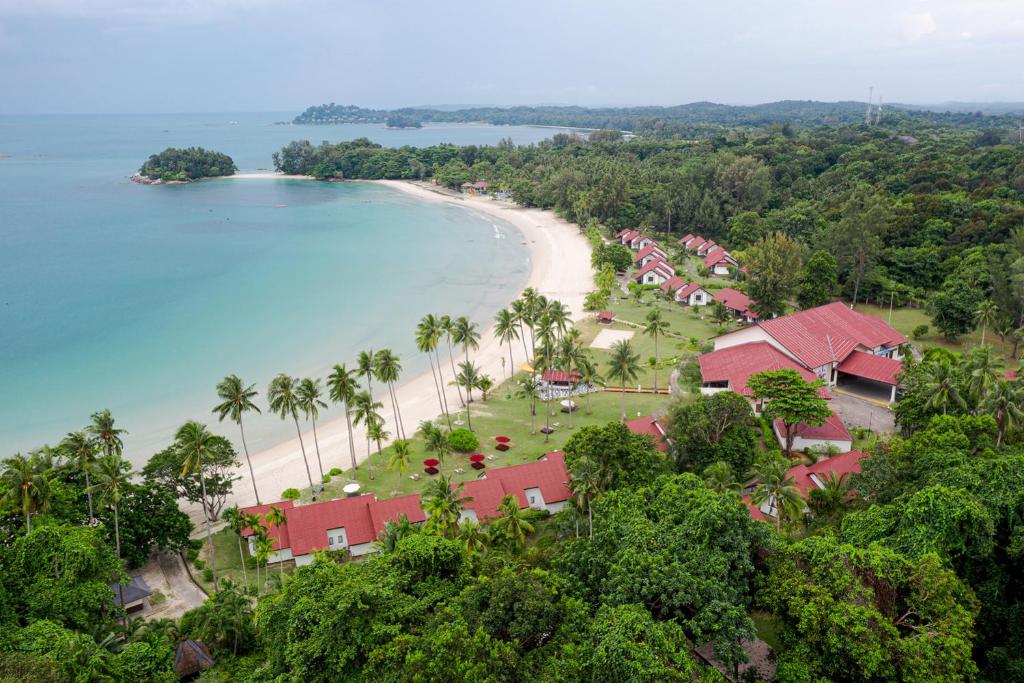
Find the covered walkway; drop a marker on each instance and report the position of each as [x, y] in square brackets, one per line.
[874, 377]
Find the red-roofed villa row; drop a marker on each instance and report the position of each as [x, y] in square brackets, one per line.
[355, 523]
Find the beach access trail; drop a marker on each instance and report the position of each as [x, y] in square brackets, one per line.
[560, 269]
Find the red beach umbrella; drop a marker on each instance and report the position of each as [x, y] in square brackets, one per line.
[476, 457]
[502, 439]
[431, 462]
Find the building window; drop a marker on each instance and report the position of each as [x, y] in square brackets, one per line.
[533, 499]
[330, 540]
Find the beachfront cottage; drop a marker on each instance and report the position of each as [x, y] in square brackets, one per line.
[718, 261]
[639, 242]
[856, 351]
[738, 304]
[685, 239]
[354, 523]
[627, 236]
[649, 253]
[728, 369]
[560, 378]
[479, 187]
[694, 242]
[672, 284]
[654, 273]
[703, 249]
[652, 427]
[807, 478]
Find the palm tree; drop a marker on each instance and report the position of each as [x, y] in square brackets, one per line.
[505, 329]
[585, 485]
[776, 488]
[986, 315]
[82, 450]
[529, 388]
[387, 369]
[720, 478]
[512, 523]
[559, 315]
[547, 339]
[484, 383]
[1003, 402]
[656, 326]
[983, 370]
[572, 356]
[236, 521]
[264, 546]
[531, 305]
[624, 366]
[285, 401]
[197, 447]
[236, 400]
[308, 394]
[375, 430]
[447, 326]
[943, 386]
[520, 312]
[474, 536]
[25, 488]
[468, 377]
[435, 440]
[366, 413]
[466, 335]
[832, 495]
[103, 428]
[428, 334]
[588, 375]
[112, 480]
[276, 518]
[255, 523]
[443, 505]
[342, 387]
[400, 457]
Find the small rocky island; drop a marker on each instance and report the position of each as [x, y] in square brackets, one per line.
[175, 166]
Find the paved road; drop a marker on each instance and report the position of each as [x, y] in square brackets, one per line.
[858, 413]
[167, 574]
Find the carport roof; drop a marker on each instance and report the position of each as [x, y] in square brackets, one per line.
[870, 366]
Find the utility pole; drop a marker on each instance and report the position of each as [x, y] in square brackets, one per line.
[867, 114]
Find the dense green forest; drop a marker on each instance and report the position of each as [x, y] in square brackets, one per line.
[694, 120]
[187, 164]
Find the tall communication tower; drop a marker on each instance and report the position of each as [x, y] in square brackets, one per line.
[867, 114]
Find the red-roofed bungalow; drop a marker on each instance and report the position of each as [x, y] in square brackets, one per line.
[808, 477]
[737, 302]
[718, 261]
[832, 433]
[729, 369]
[653, 428]
[649, 253]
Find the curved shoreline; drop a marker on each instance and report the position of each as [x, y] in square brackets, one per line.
[560, 269]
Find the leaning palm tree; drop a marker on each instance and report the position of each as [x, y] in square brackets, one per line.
[1004, 402]
[585, 486]
[623, 366]
[308, 394]
[236, 400]
[428, 335]
[283, 396]
[112, 481]
[559, 315]
[82, 449]
[366, 361]
[572, 356]
[365, 412]
[656, 327]
[400, 457]
[24, 488]
[387, 369]
[720, 478]
[466, 335]
[512, 524]
[520, 312]
[983, 370]
[197, 446]
[506, 331]
[447, 325]
[375, 430]
[986, 316]
[443, 503]
[343, 386]
[236, 521]
[776, 488]
[103, 428]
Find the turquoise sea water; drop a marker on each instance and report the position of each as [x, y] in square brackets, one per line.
[139, 299]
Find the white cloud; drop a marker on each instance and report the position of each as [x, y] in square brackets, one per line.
[919, 25]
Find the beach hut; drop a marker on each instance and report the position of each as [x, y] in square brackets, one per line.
[191, 657]
[605, 317]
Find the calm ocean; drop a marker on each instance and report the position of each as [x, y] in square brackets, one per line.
[139, 299]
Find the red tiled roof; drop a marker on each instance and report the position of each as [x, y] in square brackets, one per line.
[606, 315]
[734, 300]
[672, 284]
[651, 248]
[736, 364]
[630, 234]
[308, 524]
[548, 474]
[697, 241]
[622, 232]
[660, 265]
[391, 509]
[833, 429]
[560, 376]
[830, 333]
[486, 496]
[716, 256]
[685, 238]
[806, 478]
[653, 428]
[870, 366]
[279, 535]
[705, 247]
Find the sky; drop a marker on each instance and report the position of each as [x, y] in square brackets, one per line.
[127, 56]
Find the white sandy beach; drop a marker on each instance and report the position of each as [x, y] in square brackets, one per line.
[560, 261]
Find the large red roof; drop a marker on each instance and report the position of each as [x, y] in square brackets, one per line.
[806, 478]
[392, 509]
[685, 238]
[660, 265]
[689, 289]
[651, 248]
[651, 427]
[735, 300]
[870, 366]
[736, 364]
[828, 333]
[832, 429]
[308, 524]
[715, 256]
[672, 284]
[560, 376]
[278, 535]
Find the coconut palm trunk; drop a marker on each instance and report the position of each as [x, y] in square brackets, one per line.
[302, 445]
[437, 389]
[209, 533]
[440, 384]
[455, 375]
[351, 436]
[252, 474]
[117, 549]
[657, 360]
[88, 494]
[241, 556]
[316, 445]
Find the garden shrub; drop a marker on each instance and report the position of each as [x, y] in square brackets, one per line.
[290, 494]
[463, 440]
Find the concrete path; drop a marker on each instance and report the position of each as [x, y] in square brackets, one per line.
[166, 573]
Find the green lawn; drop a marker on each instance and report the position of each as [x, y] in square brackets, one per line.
[767, 626]
[229, 563]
